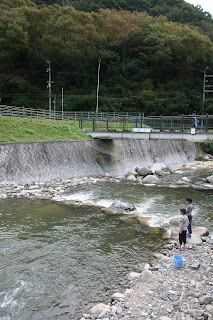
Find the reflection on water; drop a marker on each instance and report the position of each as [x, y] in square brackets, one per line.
[57, 260]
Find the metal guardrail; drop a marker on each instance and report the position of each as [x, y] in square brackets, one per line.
[112, 121]
[12, 111]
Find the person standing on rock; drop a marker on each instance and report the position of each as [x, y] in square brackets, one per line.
[184, 221]
[189, 215]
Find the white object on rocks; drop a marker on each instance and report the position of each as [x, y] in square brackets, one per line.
[98, 308]
[165, 318]
[151, 179]
[134, 275]
[185, 179]
[209, 179]
[146, 266]
[167, 234]
[159, 255]
[118, 295]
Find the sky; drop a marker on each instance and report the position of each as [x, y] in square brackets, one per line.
[207, 5]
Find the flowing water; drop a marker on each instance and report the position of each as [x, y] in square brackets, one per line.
[57, 259]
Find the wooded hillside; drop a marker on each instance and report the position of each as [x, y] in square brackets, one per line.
[152, 59]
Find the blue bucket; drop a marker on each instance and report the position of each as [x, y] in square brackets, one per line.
[178, 261]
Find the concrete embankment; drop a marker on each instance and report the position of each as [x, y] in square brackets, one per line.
[49, 160]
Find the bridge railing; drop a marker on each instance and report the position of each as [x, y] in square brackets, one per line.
[160, 124]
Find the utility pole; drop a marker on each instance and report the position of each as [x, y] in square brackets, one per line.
[49, 85]
[99, 67]
[207, 86]
[62, 103]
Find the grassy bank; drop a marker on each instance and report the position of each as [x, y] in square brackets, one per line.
[18, 129]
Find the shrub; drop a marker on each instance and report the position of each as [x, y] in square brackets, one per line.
[207, 147]
[200, 157]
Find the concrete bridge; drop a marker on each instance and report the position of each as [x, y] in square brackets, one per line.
[197, 137]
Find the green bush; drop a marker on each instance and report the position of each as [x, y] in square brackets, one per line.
[200, 157]
[207, 147]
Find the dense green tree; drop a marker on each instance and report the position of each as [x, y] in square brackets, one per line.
[149, 63]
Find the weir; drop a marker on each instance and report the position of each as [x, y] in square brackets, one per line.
[37, 161]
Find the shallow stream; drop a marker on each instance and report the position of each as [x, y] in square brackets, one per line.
[57, 260]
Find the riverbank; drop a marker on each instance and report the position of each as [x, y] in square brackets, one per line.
[161, 291]
[33, 129]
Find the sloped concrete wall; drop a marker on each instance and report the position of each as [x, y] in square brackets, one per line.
[38, 161]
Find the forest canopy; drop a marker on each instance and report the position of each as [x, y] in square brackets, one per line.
[153, 54]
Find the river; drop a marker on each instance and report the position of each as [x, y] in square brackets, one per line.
[57, 260]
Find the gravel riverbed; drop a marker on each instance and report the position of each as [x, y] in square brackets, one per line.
[161, 291]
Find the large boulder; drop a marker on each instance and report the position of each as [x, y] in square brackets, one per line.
[194, 240]
[200, 231]
[175, 222]
[151, 179]
[167, 234]
[131, 173]
[157, 168]
[144, 171]
[120, 206]
[209, 179]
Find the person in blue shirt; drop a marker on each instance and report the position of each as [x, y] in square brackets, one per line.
[189, 209]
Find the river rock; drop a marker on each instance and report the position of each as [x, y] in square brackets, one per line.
[209, 179]
[151, 179]
[131, 173]
[209, 307]
[134, 275]
[157, 168]
[195, 313]
[205, 300]
[120, 206]
[97, 309]
[165, 318]
[175, 222]
[195, 240]
[144, 171]
[180, 182]
[146, 266]
[185, 179]
[167, 234]
[131, 178]
[200, 231]
[159, 255]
